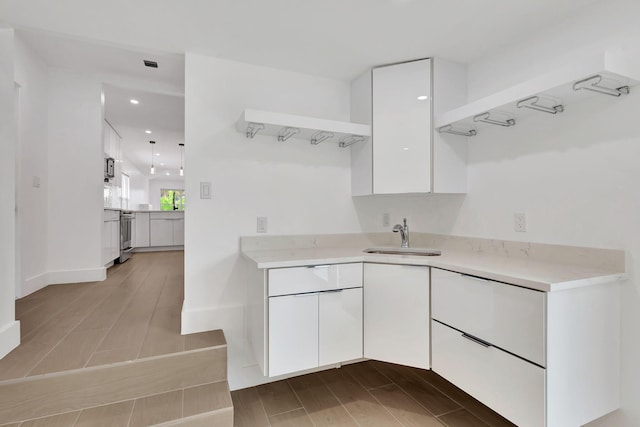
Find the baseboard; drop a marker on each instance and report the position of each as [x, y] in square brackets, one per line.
[33, 284]
[77, 276]
[159, 249]
[9, 338]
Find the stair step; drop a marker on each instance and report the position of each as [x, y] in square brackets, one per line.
[204, 405]
[64, 392]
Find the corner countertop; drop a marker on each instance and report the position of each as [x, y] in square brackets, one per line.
[529, 273]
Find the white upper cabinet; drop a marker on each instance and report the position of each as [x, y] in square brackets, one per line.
[403, 155]
[402, 128]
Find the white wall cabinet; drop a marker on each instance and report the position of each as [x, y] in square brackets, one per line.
[306, 317]
[539, 359]
[404, 154]
[110, 235]
[396, 314]
[166, 229]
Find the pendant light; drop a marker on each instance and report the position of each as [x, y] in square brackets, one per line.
[181, 156]
[153, 169]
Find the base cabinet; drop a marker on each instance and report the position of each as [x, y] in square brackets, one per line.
[166, 229]
[141, 227]
[110, 235]
[396, 314]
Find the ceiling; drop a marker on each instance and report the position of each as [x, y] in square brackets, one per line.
[333, 38]
[161, 114]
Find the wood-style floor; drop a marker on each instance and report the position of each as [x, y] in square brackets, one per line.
[133, 314]
[367, 394]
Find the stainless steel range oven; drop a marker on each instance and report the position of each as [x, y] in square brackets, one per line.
[126, 222]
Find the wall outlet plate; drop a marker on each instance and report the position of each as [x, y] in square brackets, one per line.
[386, 219]
[520, 222]
[261, 224]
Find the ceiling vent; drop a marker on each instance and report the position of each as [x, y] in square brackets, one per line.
[152, 64]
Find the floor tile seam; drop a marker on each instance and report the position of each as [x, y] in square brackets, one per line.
[289, 410]
[383, 407]
[264, 410]
[301, 403]
[378, 371]
[28, 374]
[337, 398]
[155, 307]
[420, 403]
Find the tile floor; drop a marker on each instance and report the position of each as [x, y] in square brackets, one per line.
[367, 394]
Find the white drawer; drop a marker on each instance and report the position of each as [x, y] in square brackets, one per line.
[297, 280]
[509, 317]
[167, 215]
[110, 215]
[509, 385]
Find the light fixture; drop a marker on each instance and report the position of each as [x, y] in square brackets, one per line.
[147, 131]
[161, 163]
[423, 98]
[181, 156]
[134, 101]
[167, 173]
[157, 154]
[153, 169]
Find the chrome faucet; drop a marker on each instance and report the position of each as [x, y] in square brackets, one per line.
[404, 233]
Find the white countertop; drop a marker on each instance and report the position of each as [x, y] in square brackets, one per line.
[533, 274]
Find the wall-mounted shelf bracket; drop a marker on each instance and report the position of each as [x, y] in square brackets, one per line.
[594, 84]
[320, 136]
[286, 133]
[350, 140]
[450, 129]
[536, 103]
[486, 118]
[253, 129]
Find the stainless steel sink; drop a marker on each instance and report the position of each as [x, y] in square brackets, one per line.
[403, 251]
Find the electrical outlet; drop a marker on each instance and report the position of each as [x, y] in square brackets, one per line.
[36, 182]
[261, 224]
[520, 222]
[386, 219]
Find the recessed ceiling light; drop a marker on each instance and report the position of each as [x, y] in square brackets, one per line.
[151, 64]
[134, 101]
[167, 173]
[157, 154]
[423, 98]
[406, 148]
[161, 163]
[147, 131]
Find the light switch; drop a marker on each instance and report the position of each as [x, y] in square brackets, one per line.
[261, 226]
[205, 190]
[36, 182]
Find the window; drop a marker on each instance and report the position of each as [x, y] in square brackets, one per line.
[171, 200]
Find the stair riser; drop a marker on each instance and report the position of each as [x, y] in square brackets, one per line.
[40, 396]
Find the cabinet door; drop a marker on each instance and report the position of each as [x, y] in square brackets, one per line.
[402, 128]
[396, 314]
[178, 232]
[161, 232]
[106, 241]
[340, 328]
[293, 333]
[115, 240]
[141, 239]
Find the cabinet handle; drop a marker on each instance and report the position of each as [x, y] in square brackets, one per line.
[480, 279]
[319, 266]
[332, 291]
[476, 340]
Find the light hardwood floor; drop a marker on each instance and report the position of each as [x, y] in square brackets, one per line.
[367, 394]
[133, 314]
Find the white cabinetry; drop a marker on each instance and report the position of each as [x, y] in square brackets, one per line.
[110, 235]
[141, 233]
[305, 317]
[396, 314]
[166, 229]
[404, 155]
[539, 359]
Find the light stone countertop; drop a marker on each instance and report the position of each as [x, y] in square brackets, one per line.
[533, 272]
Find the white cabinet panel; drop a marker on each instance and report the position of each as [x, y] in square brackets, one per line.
[161, 232]
[178, 232]
[509, 317]
[340, 328]
[115, 240]
[402, 128]
[396, 314]
[293, 333]
[141, 239]
[285, 281]
[509, 385]
[106, 242]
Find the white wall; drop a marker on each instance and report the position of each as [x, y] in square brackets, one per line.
[300, 188]
[9, 328]
[31, 75]
[158, 184]
[75, 177]
[138, 185]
